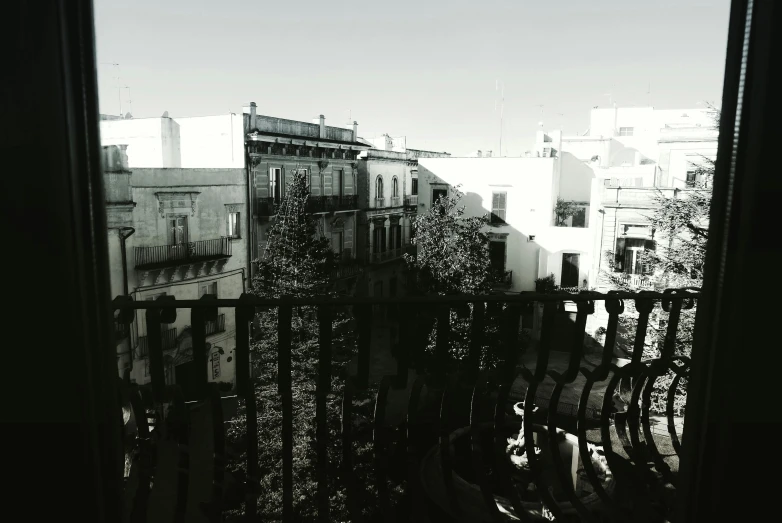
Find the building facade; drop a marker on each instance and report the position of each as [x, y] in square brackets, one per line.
[275, 149]
[388, 197]
[520, 196]
[173, 231]
[636, 154]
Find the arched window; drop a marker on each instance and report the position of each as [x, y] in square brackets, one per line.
[379, 187]
[395, 188]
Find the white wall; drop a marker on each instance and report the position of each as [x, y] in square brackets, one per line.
[152, 142]
[212, 141]
[531, 185]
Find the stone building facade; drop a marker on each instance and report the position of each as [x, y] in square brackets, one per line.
[275, 149]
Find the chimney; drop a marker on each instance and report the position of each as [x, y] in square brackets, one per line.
[253, 123]
[479, 153]
[488, 154]
[355, 131]
[322, 126]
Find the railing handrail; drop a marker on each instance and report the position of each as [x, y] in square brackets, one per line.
[526, 297]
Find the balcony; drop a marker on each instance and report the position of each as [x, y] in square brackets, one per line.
[168, 341]
[638, 281]
[411, 202]
[150, 258]
[346, 269]
[386, 256]
[458, 450]
[315, 204]
[503, 279]
[216, 326]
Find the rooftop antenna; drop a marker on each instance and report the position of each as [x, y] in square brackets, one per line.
[130, 101]
[501, 85]
[119, 91]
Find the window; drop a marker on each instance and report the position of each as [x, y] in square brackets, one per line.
[177, 230]
[379, 239]
[395, 187]
[208, 288]
[626, 131]
[275, 183]
[338, 242]
[546, 152]
[414, 188]
[692, 177]
[629, 254]
[379, 187]
[338, 181]
[498, 207]
[233, 225]
[497, 256]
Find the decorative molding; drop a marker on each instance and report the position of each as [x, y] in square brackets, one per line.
[176, 200]
[500, 236]
[233, 207]
[338, 223]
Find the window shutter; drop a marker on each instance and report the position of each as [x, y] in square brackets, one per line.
[348, 183]
[262, 184]
[314, 184]
[349, 238]
[328, 180]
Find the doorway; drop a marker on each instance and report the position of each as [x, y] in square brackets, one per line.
[569, 276]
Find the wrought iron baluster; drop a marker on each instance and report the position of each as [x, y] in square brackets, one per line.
[364, 318]
[285, 390]
[323, 388]
[477, 327]
[380, 447]
[476, 433]
[246, 390]
[348, 474]
[561, 381]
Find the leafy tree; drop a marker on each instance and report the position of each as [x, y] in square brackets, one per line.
[452, 250]
[564, 209]
[452, 257]
[297, 262]
[680, 223]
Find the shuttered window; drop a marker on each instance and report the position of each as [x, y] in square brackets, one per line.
[498, 207]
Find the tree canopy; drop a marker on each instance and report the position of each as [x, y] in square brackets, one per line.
[452, 250]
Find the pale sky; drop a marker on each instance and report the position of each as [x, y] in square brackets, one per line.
[425, 69]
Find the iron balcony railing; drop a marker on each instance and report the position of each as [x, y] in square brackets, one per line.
[638, 281]
[463, 451]
[411, 200]
[315, 204]
[216, 326]
[168, 339]
[384, 256]
[190, 252]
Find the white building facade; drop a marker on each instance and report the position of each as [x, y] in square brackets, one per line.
[520, 195]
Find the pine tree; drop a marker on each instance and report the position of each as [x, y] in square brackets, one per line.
[295, 262]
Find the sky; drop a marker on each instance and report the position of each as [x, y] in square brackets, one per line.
[429, 70]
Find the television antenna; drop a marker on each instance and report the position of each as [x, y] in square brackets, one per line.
[117, 80]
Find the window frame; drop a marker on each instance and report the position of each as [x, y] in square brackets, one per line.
[236, 233]
[627, 131]
[495, 218]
